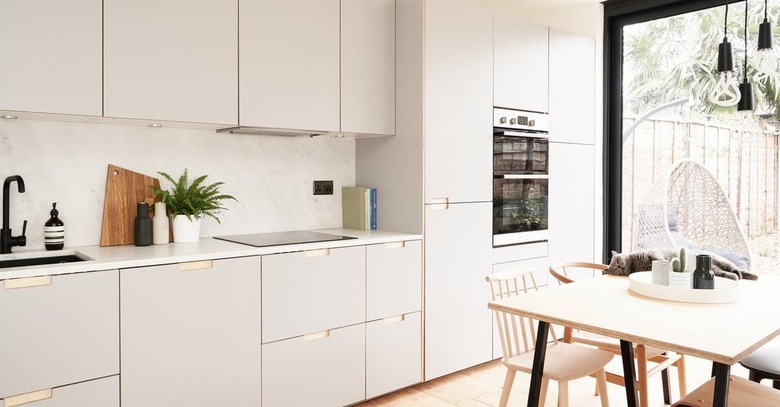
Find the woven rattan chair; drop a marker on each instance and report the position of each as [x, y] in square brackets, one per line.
[688, 208]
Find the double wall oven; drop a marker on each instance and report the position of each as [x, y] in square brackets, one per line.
[520, 176]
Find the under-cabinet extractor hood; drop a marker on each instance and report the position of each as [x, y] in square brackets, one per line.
[268, 131]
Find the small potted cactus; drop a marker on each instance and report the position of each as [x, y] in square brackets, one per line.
[679, 276]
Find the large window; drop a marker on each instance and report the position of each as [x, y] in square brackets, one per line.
[660, 71]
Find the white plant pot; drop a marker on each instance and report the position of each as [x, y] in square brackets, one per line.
[680, 280]
[186, 230]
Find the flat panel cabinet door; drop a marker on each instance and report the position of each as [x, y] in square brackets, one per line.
[52, 56]
[393, 279]
[171, 60]
[289, 67]
[521, 64]
[458, 101]
[59, 333]
[322, 370]
[572, 202]
[572, 91]
[393, 354]
[458, 255]
[191, 334]
[94, 393]
[368, 66]
[312, 291]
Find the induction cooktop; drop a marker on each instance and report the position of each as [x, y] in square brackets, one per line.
[282, 238]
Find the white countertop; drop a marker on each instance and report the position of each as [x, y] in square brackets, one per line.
[118, 257]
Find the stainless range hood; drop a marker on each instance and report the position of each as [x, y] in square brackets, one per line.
[268, 131]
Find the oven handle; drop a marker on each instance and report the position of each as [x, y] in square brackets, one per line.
[523, 176]
[507, 133]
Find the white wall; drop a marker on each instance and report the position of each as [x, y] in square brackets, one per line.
[271, 176]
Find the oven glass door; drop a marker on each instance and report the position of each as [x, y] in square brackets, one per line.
[519, 205]
[520, 155]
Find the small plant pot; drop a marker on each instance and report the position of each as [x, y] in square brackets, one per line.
[660, 272]
[680, 280]
[185, 230]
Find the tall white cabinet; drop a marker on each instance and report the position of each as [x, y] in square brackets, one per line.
[572, 150]
[52, 56]
[171, 60]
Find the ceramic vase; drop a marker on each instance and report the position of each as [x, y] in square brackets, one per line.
[680, 280]
[185, 230]
[660, 272]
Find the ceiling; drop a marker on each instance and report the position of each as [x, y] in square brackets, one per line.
[534, 8]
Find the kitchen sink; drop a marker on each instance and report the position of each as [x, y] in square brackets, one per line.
[41, 258]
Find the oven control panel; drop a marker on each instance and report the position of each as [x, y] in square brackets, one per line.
[520, 120]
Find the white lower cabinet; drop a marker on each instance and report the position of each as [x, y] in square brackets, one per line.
[58, 330]
[94, 393]
[393, 279]
[191, 334]
[323, 369]
[393, 353]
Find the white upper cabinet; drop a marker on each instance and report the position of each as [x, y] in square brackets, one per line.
[572, 88]
[289, 64]
[368, 66]
[51, 56]
[458, 101]
[521, 63]
[171, 60]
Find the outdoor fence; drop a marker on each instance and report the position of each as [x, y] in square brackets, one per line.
[745, 164]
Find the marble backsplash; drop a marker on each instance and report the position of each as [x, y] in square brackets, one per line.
[270, 176]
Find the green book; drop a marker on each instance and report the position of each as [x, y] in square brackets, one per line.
[353, 207]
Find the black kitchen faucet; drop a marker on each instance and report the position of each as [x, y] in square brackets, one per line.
[7, 241]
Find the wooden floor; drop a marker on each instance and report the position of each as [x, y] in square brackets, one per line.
[480, 386]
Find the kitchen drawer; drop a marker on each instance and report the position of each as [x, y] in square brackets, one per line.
[516, 252]
[325, 369]
[311, 291]
[393, 354]
[94, 393]
[393, 279]
[58, 333]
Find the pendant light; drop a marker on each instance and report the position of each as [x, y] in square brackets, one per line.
[746, 102]
[726, 92]
[765, 61]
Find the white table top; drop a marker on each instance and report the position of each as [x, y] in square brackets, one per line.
[723, 333]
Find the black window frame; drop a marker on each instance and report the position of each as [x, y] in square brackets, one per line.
[617, 15]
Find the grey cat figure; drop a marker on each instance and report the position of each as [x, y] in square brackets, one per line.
[623, 264]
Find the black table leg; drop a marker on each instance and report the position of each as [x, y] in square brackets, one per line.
[629, 376]
[722, 375]
[538, 366]
[665, 384]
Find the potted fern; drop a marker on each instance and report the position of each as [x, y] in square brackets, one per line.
[189, 202]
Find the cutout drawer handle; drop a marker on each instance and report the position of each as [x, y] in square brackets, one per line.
[196, 265]
[440, 203]
[316, 335]
[316, 253]
[395, 245]
[25, 398]
[392, 320]
[27, 282]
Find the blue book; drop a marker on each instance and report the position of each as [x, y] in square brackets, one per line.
[373, 208]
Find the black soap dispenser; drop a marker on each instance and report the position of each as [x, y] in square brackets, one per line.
[54, 230]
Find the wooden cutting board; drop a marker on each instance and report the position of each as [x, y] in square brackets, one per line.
[124, 190]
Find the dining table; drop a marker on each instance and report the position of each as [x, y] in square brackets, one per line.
[723, 333]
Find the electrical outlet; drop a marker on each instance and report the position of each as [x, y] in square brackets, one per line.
[323, 187]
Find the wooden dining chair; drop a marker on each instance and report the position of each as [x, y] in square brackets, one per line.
[569, 272]
[563, 361]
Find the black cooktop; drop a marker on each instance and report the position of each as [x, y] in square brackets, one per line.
[282, 238]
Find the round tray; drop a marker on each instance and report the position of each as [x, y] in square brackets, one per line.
[725, 290]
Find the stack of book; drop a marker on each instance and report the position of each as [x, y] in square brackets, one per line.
[358, 208]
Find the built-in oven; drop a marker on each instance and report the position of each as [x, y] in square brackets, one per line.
[520, 176]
